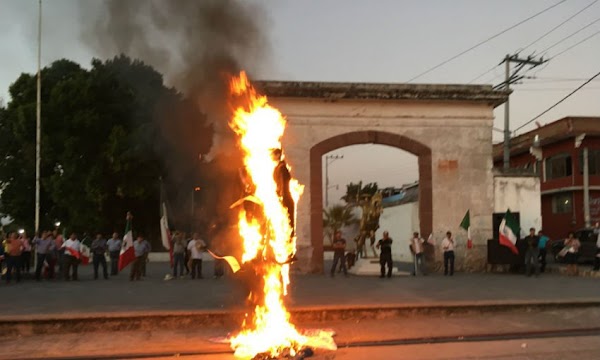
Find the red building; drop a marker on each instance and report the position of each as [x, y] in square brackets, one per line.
[560, 148]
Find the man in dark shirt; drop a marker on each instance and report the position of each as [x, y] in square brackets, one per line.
[385, 256]
[99, 248]
[532, 253]
[339, 249]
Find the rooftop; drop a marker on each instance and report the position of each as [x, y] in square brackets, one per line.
[565, 128]
[383, 91]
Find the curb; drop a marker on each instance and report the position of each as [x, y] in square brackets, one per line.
[177, 320]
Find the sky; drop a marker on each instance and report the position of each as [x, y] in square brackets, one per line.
[373, 41]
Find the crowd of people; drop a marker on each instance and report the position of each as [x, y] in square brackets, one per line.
[536, 247]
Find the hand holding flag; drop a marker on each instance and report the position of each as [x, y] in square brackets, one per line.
[466, 224]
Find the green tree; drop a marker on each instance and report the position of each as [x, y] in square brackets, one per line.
[357, 192]
[336, 217]
[108, 135]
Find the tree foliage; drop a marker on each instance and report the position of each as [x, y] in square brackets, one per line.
[336, 217]
[357, 192]
[108, 134]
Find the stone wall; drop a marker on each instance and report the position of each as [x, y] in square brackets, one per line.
[453, 140]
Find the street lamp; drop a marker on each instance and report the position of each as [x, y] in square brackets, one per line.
[57, 224]
[38, 121]
[328, 160]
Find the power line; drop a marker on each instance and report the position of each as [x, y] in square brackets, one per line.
[552, 79]
[580, 42]
[484, 41]
[560, 101]
[483, 74]
[570, 36]
[559, 25]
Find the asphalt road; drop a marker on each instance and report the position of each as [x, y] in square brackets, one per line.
[31, 298]
[465, 336]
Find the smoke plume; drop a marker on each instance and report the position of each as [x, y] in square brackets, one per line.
[197, 44]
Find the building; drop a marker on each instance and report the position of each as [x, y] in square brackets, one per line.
[555, 152]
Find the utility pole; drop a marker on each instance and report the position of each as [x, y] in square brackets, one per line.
[38, 116]
[327, 162]
[511, 78]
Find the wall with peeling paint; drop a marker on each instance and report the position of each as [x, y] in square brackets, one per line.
[519, 194]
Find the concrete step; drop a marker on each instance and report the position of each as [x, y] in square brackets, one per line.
[371, 267]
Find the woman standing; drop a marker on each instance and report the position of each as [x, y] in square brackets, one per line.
[572, 244]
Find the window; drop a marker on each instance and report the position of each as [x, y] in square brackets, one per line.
[593, 161]
[562, 203]
[558, 166]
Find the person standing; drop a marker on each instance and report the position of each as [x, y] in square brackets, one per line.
[139, 248]
[179, 248]
[197, 249]
[99, 248]
[114, 250]
[72, 254]
[60, 254]
[44, 248]
[597, 257]
[339, 250]
[416, 246]
[448, 249]
[542, 245]
[385, 255]
[532, 253]
[147, 250]
[13, 256]
[572, 244]
[26, 255]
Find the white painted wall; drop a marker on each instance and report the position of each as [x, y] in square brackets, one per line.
[520, 194]
[400, 221]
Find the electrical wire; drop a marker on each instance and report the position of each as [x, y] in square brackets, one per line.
[483, 74]
[558, 26]
[574, 45]
[569, 36]
[560, 101]
[484, 41]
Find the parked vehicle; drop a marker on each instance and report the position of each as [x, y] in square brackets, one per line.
[587, 251]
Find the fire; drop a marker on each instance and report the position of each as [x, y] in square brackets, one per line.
[266, 225]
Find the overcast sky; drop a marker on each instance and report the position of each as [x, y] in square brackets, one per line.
[371, 41]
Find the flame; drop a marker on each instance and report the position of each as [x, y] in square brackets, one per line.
[265, 227]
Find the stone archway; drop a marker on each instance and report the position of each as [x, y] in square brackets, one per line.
[365, 137]
[449, 128]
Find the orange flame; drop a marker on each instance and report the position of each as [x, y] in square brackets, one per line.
[268, 235]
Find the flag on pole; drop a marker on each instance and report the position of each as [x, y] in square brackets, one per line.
[127, 252]
[165, 233]
[508, 232]
[466, 224]
[231, 261]
[85, 253]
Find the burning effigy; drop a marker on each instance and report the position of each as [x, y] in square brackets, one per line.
[266, 226]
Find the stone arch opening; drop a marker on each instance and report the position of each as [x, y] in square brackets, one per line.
[414, 147]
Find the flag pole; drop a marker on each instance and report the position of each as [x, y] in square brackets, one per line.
[38, 133]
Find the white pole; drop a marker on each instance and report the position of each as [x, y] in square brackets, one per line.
[38, 133]
[586, 188]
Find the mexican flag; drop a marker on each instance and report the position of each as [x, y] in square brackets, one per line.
[85, 254]
[165, 233]
[466, 224]
[127, 252]
[508, 232]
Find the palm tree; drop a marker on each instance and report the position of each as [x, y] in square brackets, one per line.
[336, 217]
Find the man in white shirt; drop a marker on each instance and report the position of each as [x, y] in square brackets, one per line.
[114, 249]
[448, 249]
[197, 248]
[416, 246]
[72, 254]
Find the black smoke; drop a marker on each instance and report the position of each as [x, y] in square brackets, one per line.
[197, 45]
